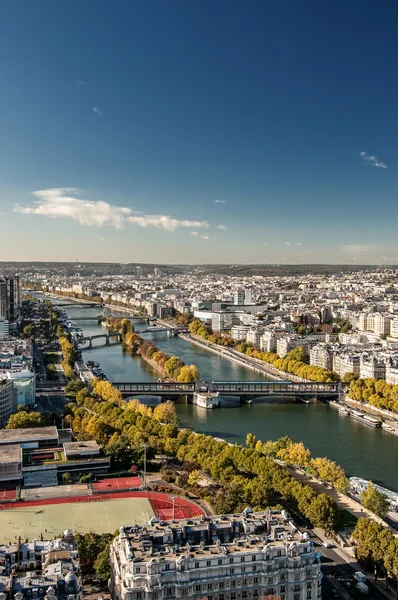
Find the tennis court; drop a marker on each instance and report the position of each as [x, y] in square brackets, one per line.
[118, 483]
[9, 494]
[52, 519]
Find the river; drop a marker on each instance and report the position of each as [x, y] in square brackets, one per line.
[362, 451]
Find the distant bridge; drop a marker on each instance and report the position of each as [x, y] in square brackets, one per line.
[78, 305]
[89, 338]
[155, 329]
[241, 389]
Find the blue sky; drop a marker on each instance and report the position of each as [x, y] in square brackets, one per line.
[202, 131]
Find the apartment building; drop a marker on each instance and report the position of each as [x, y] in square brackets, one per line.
[346, 362]
[47, 570]
[321, 355]
[372, 366]
[8, 401]
[227, 557]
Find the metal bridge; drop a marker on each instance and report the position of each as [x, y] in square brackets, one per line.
[89, 338]
[78, 304]
[241, 389]
[155, 329]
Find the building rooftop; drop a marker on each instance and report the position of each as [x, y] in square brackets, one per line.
[10, 453]
[78, 448]
[211, 536]
[33, 434]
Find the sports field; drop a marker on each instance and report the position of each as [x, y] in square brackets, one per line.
[52, 519]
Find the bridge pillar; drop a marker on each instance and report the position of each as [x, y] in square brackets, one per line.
[107, 340]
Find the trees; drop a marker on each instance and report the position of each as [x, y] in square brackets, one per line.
[194, 478]
[374, 500]
[348, 377]
[330, 471]
[323, 512]
[91, 546]
[295, 454]
[172, 367]
[102, 564]
[72, 387]
[24, 420]
[251, 440]
[29, 330]
[165, 412]
[188, 374]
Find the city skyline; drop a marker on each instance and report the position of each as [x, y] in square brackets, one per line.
[199, 133]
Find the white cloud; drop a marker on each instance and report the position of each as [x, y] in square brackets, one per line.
[222, 227]
[3, 214]
[97, 111]
[80, 82]
[372, 160]
[102, 240]
[287, 243]
[220, 201]
[355, 248]
[266, 244]
[194, 233]
[62, 203]
[204, 236]
[164, 222]
[299, 244]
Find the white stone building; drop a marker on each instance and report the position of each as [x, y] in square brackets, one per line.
[228, 557]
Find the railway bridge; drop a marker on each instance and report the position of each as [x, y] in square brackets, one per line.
[246, 390]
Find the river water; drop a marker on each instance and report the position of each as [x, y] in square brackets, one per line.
[362, 451]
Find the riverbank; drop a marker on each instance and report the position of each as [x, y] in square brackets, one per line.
[157, 368]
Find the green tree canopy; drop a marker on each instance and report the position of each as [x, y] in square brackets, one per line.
[374, 500]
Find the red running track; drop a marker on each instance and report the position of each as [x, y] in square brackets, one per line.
[162, 504]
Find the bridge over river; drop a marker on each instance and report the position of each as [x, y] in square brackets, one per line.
[241, 389]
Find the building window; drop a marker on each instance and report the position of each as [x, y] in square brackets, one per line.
[137, 570]
[209, 586]
[167, 567]
[220, 561]
[231, 560]
[233, 583]
[231, 570]
[208, 563]
[296, 597]
[309, 595]
[255, 580]
[253, 557]
[244, 594]
[309, 585]
[197, 588]
[242, 559]
[279, 553]
[243, 569]
[233, 596]
[254, 568]
[283, 589]
[196, 565]
[169, 591]
[221, 585]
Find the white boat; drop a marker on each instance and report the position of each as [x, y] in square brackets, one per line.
[342, 410]
[207, 399]
[372, 421]
[367, 419]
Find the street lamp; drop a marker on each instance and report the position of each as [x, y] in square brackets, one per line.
[145, 446]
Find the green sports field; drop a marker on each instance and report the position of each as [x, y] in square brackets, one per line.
[52, 519]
